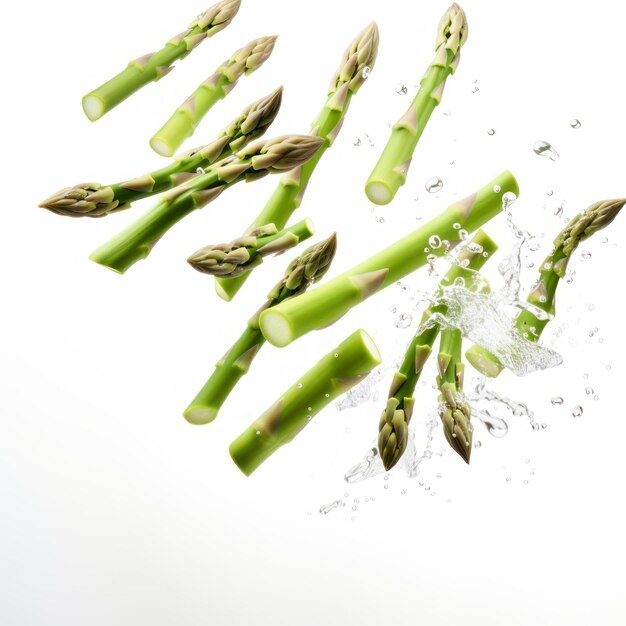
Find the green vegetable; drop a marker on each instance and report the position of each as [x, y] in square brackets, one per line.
[543, 294]
[153, 66]
[96, 200]
[304, 270]
[324, 305]
[183, 122]
[355, 66]
[336, 373]
[253, 162]
[394, 422]
[391, 170]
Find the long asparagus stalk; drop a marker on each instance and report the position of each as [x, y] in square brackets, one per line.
[324, 305]
[96, 200]
[356, 62]
[153, 66]
[336, 373]
[394, 422]
[543, 294]
[244, 254]
[390, 172]
[304, 270]
[253, 162]
[183, 122]
[454, 411]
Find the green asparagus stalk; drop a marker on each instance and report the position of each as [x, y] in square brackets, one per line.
[355, 66]
[253, 162]
[183, 122]
[244, 254]
[335, 374]
[96, 200]
[454, 411]
[324, 305]
[391, 170]
[153, 66]
[543, 294]
[304, 270]
[394, 422]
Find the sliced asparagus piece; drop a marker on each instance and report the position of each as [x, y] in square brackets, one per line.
[253, 162]
[303, 271]
[543, 294]
[356, 63]
[333, 375]
[183, 122]
[394, 422]
[391, 170]
[96, 200]
[153, 66]
[244, 254]
[325, 304]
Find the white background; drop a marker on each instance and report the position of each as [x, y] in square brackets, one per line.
[115, 511]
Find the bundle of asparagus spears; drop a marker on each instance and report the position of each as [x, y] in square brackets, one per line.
[197, 177]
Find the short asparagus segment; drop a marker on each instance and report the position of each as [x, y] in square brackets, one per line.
[355, 65]
[183, 122]
[324, 305]
[394, 422]
[391, 170]
[153, 66]
[244, 254]
[253, 162]
[335, 374]
[454, 411]
[303, 271]
[543, 294]
[96, 200]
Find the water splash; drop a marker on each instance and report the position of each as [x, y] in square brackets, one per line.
[327, 508]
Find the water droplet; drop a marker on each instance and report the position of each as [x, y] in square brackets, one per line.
[401, 89]
[534, 247]
[557, 401]
[357, 142]
[589, 391]
[459, 281]
[596, 398]
[574, 123]
[393, 309]
[491, 132]
[577, 411]
[476, 248]
[200, 171]
[586, 254]
[456, 225]
[605, 240]
[559, 210]
[478, 444]
[404, 320]
[508, 199]
[550, 192]
[434, 242]
[608, 368]
[496, 426]
[543, 148]
[299, 385]
[508, 480]
[475, 89]
[446, 113]
[258, 432]
[434, 184]
[497, 189]
[327, 395]
[463, 234]
[544, 425]
[535, 426]
[366, 72]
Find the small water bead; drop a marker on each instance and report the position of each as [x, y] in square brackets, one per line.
[543, 148]
[608, 368]
[530, 264]
[327, 395]
[401, 89]
[434, 242]
[478, 444]
[404, 320]
[585, 376]
[299, 385]
[200, 171]
[589, 391]
[536, 426]
[476, 248]
[557, 400]
[336, 355]
[575, 124]
[586, 254]
[605, 240]
[497, 188]
[459, 282]
[596, 398]
[534, 247]
[559, 210]
[491, 132]
[508, 480]
[456, 226]
[544, 425]
[463, 234]
[366, 72]
[357, 142]
[508, 199]
[577, 411]
[550, 192]
[393, 309]
[434, 184]
[475, 89]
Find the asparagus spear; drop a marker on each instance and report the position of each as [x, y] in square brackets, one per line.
[244, 254]
[253, 162]
[304, 270]
[356, 62]
[391, 170]
[333, 375]
[324, 305]
[543, 294]
[96, 200]
[454, 411]
[153, 66]
[394, 422]
[183, 122]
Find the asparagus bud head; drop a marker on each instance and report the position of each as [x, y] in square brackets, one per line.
[452, 30]
[455, 415]
[217, 17]
[84, 199]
